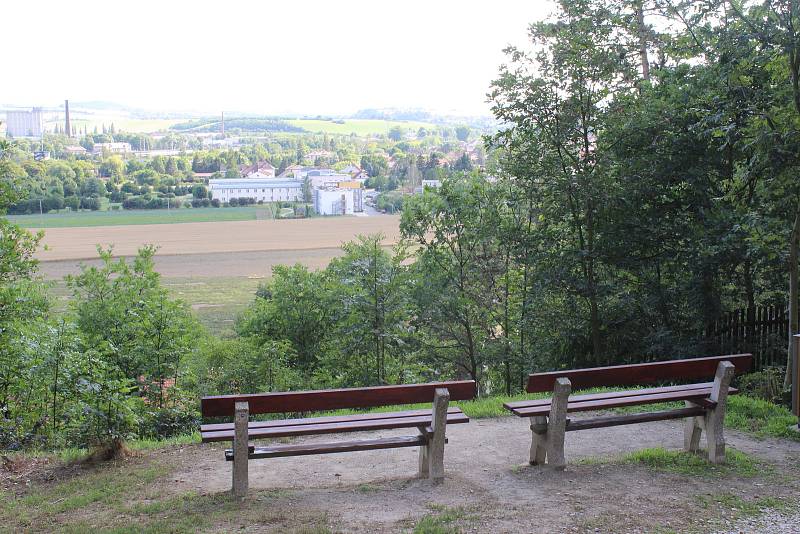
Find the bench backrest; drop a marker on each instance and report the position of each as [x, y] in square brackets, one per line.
[641, 373]
[335, 399]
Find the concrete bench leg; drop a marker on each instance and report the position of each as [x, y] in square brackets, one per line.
[557, 423]
[431, 456]
[715, 417]
[423, 462]
[240, 449]
[539, 440]
[692, 431]
[547, 440]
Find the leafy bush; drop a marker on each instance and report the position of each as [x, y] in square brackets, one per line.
[766, 384]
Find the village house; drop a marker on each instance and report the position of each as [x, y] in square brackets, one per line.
[262, 169]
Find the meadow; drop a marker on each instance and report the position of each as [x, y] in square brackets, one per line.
[128, 217]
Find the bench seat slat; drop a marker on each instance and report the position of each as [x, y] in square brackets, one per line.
[602, 404]
[214, 427]
[304, 449]
[332, 428]
[607, 395]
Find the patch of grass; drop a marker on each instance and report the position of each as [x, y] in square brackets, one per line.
[441, 520]
[131, 498]
[216, 302]
[104, 485]
[129, 217]
[684, 463]
[760, 418]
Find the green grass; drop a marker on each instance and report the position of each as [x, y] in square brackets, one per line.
[441, 520]
[129, 217]
[358, 127]
[684, 463]
[760, 418]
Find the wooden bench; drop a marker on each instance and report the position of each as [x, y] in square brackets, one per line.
[431, 423]
[704, 401]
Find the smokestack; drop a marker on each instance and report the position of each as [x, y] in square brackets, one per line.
[67, 128]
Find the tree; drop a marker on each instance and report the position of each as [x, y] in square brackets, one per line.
[396, 133]
[371, 295]
[292, 306]
[462, 133]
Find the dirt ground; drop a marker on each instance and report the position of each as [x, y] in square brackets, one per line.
[216, 237]
[489, 480]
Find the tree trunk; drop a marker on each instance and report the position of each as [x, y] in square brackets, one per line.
[794, 244]
[641, 32]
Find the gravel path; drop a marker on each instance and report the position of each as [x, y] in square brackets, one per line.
[487, 476]
[771, 522]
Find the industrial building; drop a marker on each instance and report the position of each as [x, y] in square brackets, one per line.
[21, 123]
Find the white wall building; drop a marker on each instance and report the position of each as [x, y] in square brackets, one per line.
[334, 201]
[266, 190]
[24, 123]
[112, 148]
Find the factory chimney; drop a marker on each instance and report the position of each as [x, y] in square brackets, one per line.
[67, 128]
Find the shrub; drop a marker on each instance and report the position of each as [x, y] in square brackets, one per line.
[766, 384]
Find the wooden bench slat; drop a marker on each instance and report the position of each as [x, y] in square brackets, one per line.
[602, 404]
[607, 395]
[641, 373]
[325, 419]
[335, 399]
[304, 449]
[332, 428]
[616, 420]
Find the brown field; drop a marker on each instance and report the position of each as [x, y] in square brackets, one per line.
[206, 237]
[237, 248]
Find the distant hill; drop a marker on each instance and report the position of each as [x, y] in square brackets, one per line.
[237, 123]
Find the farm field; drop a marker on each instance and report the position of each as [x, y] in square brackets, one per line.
[127, 217]
[358, 127]
[80, 243]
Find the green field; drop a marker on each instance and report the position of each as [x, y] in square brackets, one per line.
[126, 217]
[358, 127]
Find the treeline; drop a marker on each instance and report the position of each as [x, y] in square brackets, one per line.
[240, 124]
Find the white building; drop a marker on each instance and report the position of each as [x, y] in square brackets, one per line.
[266, 190]
[112, 148]
[334, 201]
[24, 123]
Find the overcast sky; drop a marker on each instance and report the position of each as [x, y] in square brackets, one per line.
[295, 56]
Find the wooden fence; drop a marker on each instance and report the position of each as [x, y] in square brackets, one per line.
[762, 331]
